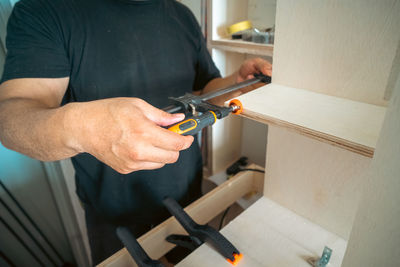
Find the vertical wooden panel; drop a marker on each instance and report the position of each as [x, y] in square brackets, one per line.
[337, 47]
[316, 180]
[375, 239]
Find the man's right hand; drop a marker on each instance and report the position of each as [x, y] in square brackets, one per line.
[126, 133]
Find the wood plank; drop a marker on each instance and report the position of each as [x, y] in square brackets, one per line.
[377, 223]
[349, 124]
[316, 180]
[240, 46]
[337, 47]
[202, 211]
[269, 235]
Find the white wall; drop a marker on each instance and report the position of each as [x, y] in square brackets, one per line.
[262, 13]
[195, 7]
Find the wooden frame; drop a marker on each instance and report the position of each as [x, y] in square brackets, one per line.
[315, 168]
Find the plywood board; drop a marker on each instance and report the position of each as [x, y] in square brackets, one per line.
[269, 235]
[349, 124]
[316, 180]
[375, 238]
[337, 47]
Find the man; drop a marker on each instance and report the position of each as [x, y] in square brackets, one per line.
[83, 79]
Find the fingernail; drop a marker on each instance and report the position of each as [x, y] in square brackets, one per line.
[180, 116]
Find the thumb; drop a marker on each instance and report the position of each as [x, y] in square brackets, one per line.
[159, 116]
[166, 119]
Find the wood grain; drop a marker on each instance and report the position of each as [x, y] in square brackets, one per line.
[269, 235]
[314, 179]
[377, 223]
[337, 47]
[349, 124]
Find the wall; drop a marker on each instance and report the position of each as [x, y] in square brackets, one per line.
[195, 7]
[262, 13]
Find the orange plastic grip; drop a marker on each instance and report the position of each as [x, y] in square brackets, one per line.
[236, 102]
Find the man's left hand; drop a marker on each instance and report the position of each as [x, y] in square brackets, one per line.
[246, 71]
[252, 66]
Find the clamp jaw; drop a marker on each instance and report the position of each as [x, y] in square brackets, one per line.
[201, 113]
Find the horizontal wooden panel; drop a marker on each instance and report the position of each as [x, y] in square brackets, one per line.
[240, 46]
[269, 235]
[342, 122]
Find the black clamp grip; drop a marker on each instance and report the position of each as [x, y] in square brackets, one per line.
[203, 233]
[135, 249]
[263, 78]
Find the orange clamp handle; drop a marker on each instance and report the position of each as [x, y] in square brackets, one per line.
[236, 102]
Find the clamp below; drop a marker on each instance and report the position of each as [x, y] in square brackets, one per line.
[198, 234]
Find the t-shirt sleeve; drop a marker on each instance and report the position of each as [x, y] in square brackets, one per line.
[35, 48]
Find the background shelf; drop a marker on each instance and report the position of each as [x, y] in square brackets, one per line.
[240, 46]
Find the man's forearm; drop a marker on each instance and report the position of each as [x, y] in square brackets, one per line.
[219, 83]
[32, 128]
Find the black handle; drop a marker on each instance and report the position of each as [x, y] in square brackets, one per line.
[263, 78]
[202, 232]
[135, 249]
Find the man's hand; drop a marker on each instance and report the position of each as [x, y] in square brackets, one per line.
[252, 66]
[125, 134]
[245, 72]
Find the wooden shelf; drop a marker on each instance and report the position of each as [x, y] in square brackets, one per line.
[269, 235]
[240, 46]
[349, 124]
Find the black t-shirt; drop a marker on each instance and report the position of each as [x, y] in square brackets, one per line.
[116, 48]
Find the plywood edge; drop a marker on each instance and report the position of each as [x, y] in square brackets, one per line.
[202, 211]
[243, 47]
[333, 140]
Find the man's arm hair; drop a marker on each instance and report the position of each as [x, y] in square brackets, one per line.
[32, 121]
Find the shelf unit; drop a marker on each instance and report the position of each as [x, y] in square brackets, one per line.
[226, 12]
[233, 132]
[323, 129]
